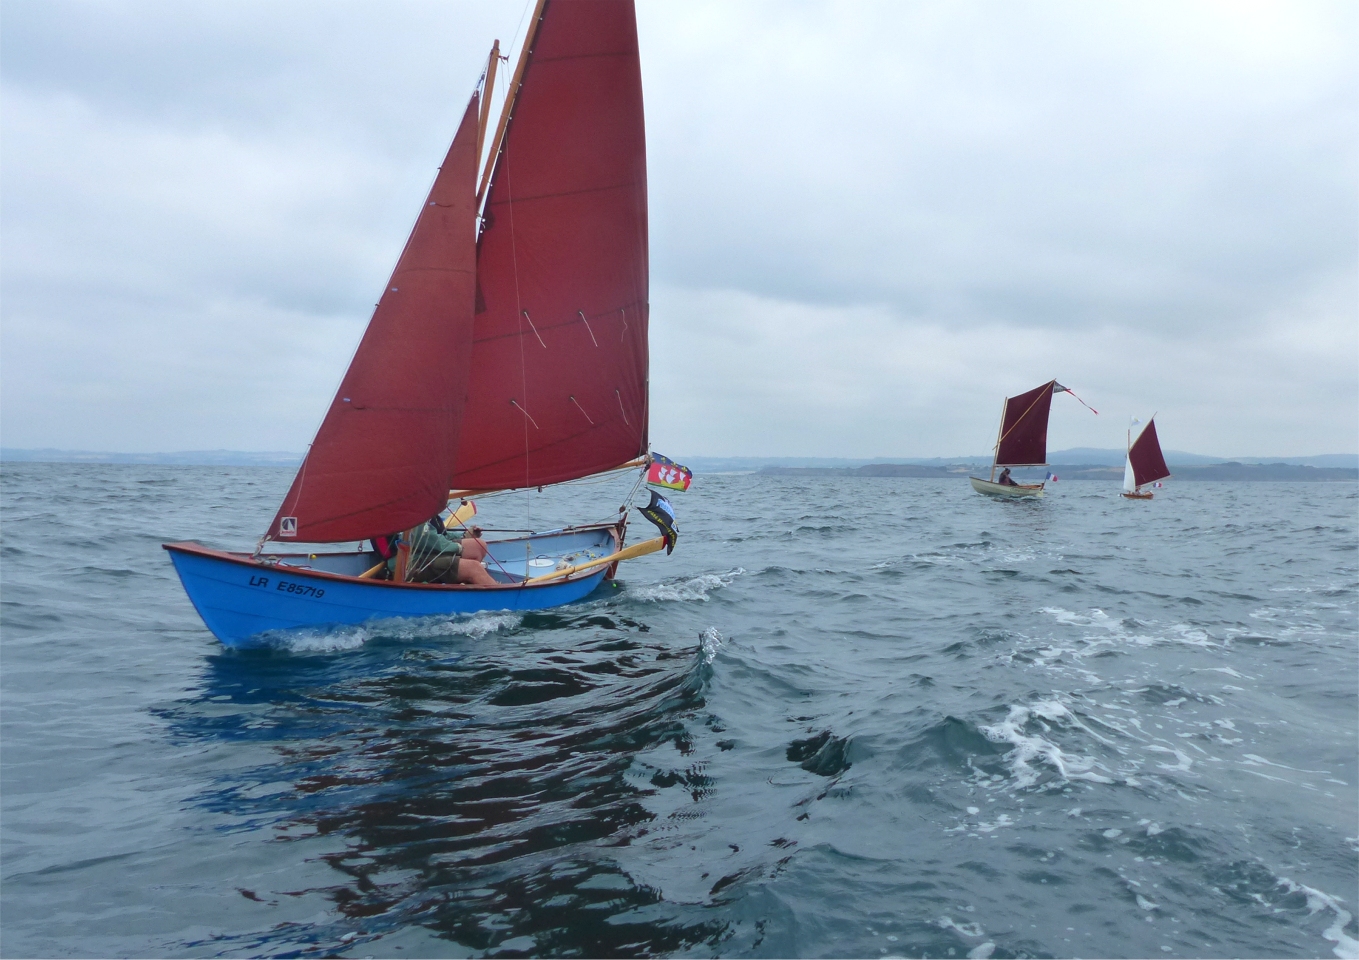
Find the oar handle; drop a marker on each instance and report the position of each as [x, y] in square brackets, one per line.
[627, 553]
[461, 515]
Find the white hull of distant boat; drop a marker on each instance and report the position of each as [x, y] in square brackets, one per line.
[1005, 490]
[1145, 463]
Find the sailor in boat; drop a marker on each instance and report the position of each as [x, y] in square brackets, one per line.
[1005, 479]
[436, 557]
[473, 547]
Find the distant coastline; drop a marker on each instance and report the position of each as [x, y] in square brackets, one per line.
[1233, 471]
[204, 458]
[1076, 464]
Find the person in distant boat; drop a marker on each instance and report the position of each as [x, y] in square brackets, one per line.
[436, 555]
[1005, 480]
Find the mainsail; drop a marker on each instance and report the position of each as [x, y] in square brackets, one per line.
[518, 358]
[384, 452]
[558, 382]
[1145, 462]
[1024, 428]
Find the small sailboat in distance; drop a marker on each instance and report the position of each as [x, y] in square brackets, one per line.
[1145, 463]
[1022, 441]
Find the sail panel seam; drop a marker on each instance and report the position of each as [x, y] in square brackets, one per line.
[563, 193]
[584, 56]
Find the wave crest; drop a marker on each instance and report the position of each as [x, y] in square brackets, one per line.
[695, 588]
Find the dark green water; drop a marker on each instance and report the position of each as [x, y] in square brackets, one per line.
[846, 718]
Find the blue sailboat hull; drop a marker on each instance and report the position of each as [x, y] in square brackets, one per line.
[240, 597]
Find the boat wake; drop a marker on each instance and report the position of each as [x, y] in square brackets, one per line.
[695, 588]
[339, 638]
[441, 787]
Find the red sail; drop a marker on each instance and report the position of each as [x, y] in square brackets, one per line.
[383, 455]
[1145, 455]
[558, 384]
[1024, 428]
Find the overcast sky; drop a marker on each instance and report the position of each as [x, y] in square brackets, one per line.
[869, 221]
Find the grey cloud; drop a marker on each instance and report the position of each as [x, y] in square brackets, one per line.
[1031, 164]
[869, 221]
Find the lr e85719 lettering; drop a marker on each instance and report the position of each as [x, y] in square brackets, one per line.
[285, 586]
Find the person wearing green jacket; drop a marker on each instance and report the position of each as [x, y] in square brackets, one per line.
[435, 556]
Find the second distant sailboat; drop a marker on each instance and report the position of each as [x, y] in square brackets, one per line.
[1145, 463]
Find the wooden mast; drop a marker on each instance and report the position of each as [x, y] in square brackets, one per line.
[511, 92]
[1000, 430]
[487, 89]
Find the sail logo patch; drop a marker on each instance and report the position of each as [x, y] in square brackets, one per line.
[287, 526]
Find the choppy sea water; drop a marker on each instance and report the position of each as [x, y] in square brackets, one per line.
[846, 718]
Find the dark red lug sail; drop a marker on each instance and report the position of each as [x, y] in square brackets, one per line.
[382, 458]
[1148, 464]
[1024, 428]
[558, 381]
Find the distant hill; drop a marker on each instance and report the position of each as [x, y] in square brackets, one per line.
[1233, 471]
[1114, 458]
[1076, 456]
[207, 458]
[755, 464]
[1076, 463]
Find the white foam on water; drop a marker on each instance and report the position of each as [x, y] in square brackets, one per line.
[1108, 632]
[695, 588]
[1227, 670]
[1183, 763]
[1032, 749]
[315, 640]
[1255, 758]
[969, 929]
[981, 951]
[980, 554]
[337, 639]
[710, 641]
[1346, 947]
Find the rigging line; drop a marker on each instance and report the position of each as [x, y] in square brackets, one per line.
[591, 332]
[522, 15]
[641, 475]
[624, 335]
[466, 530]
[620, 406]
[1021, 416]
[301, 479]
[518, 302]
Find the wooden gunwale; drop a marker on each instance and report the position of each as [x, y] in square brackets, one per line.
[246, 560]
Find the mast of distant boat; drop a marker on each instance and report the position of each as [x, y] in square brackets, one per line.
[1000, 431]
